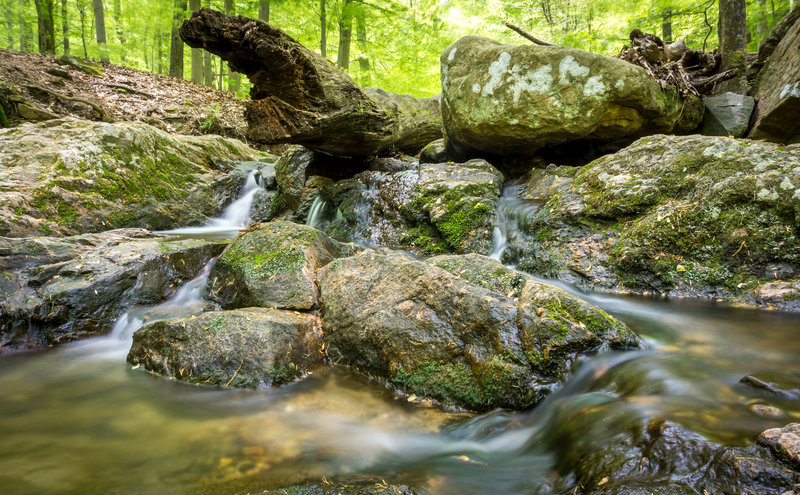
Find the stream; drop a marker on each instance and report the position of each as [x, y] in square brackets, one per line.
[79, 419]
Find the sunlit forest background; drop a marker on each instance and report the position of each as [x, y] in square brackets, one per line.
[390, 44]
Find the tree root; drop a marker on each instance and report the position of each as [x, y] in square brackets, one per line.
[97, 108]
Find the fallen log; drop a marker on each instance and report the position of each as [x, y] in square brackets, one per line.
[300, 97]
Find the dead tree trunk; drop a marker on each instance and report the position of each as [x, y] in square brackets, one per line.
[300, 97]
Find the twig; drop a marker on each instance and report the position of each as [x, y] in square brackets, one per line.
[527, 36]
[92, 104]
[705, 18]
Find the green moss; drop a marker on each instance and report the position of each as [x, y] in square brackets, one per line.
[427, 239]
[494, 384]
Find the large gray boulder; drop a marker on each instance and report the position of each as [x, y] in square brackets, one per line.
[515, 99]
[272, 265]
[247, 348]
[727, 115]
[777, 87]
[691, 215]
[70, 176]
[79, 293]
[450, 329]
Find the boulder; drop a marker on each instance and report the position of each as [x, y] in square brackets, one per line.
[785, 442]
[434, 333]
[430, 208]
[81, 64]
[692, 215]
[70, 176]
[272, 265]
[434, 152]
[777, 85]
[516, 99]
[82, 296]
[245, 348]
[727, 115]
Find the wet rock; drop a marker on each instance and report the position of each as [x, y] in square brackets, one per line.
[785, 386]
[70, 176]
[434, 333]
[290, 174]
[433, 208]
[691, 215]
[272, 265]
[434, 152]
[780, 295]
[82, 296]
[516, 99]
[356, 487]
[785, 442]
[246, 348]
[664, 458]
[727, 115]
[777, 87]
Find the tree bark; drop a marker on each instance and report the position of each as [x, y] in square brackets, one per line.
[100, 29]
[10, 27]
[733, 43]
[176, 45]
[298, 96]
[263, 10]
[197, 53]
[363, 60]
[233, 76]
[65, 25]
[345, 34]
[666, 26]
[117, 14]
[323, 29]
[47, 33]
[25, 31]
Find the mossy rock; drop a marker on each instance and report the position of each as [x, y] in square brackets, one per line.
[272, 265]
[248, 348]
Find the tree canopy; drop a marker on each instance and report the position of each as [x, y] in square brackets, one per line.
[389, 44]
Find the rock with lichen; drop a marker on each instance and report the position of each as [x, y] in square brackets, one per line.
[516, 99]
[272, 265]
[691, 215]
[244, 348]
[69, 176]
[452, 330]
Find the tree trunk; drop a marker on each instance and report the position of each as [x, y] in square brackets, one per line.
[263, 10]
[117, 13]
[208, 69]
[363, 60]
[233, 77]
[10, 27]
[323, 29]
[47, 33]
[299, 97]
[733, 43]
[65, 25]
[82, 11]
[176, 45]
[100, 29]
[25, 31]
[666, 26]
[197, 53]
[345, 34]
[160, 55]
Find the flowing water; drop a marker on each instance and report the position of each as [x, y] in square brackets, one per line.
[78, 419]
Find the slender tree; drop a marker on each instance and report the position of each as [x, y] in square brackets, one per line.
[263, 10]
[65, 25]
[323, 29]
[9, 26]
[345, 35]
[208, 69]
[666, 25]
[233, 77]
[100, 29]
[197, 53]
[361, 39]
[82, 11]
[176, 44]
[118, 28]
[732, 31]
[25, 31]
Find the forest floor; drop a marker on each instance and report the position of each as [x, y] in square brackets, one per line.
[124, 94]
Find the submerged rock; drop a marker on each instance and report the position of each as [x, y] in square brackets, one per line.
[516, 99]
[82, 296]
[690, 215]
[456, 336]
[272, 265]
[246, 348]
[70, 176]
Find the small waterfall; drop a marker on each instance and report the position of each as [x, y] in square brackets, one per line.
[233, 219]
[513, 218]
[186, 301]
[318, 213]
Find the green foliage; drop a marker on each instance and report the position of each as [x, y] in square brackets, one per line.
[404, 39]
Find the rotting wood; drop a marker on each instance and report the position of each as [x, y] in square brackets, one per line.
[300, 97]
